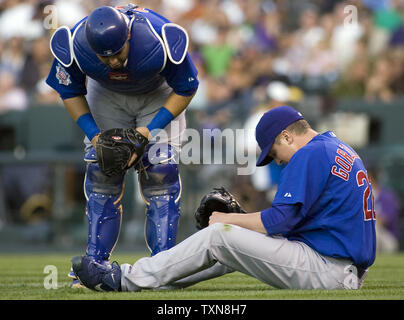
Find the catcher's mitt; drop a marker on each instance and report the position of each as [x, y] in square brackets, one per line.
[219, 199]
[115, 148]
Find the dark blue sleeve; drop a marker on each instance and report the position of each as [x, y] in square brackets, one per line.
[182, 78]
[282, 218]
[68, 82]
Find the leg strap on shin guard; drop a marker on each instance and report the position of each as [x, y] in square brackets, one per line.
[104, 211]
[160, 186]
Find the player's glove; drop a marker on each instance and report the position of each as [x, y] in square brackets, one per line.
[219, 199]
[115, 148]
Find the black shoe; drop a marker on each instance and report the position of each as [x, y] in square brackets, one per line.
[76, 284]
[97, 276]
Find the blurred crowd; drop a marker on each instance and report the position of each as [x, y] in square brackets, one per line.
[316, 47]
[251, 55]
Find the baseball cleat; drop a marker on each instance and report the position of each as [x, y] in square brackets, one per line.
[72, 275]
[75, 284]
[97, 276]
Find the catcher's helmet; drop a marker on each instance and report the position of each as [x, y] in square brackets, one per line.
[106, 31]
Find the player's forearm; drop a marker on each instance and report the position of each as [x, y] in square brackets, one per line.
[79, 110]
[76, 106]
[176, 103]
[251, 221]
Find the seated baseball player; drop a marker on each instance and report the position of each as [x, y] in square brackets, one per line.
[319, 232]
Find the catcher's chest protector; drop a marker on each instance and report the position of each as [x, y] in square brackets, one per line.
[160, 186]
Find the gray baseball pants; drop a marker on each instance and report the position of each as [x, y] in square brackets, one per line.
[114, 110]
[223, 248]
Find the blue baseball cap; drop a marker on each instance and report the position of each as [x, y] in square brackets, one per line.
[271, 124]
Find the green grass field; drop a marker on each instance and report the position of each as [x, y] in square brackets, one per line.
[22, 277]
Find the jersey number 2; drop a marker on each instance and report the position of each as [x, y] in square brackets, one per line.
[361, 179]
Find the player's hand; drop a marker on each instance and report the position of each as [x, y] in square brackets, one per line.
[94, 140]
[144, 132]
[217, 216]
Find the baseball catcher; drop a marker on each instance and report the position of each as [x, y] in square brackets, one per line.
[126, 67]
[219, 199]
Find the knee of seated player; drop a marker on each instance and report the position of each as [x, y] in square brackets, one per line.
[223, 234]
[217, 226]
[218, 232]
[222, 227]
[217, 237]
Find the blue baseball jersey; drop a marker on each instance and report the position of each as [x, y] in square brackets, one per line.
[325, 200]
[148, 63]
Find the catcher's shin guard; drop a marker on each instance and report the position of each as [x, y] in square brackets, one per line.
[104, 210]
[160, 186]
